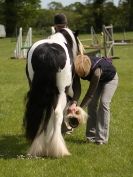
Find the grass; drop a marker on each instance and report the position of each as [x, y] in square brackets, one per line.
[87, 160]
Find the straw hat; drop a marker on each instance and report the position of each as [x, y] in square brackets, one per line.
[82, 65]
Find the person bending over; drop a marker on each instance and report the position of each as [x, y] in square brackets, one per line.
[103, 79]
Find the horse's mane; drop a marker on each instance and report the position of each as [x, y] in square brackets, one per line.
[67, 36]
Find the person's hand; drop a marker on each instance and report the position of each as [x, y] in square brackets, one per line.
[72, 108]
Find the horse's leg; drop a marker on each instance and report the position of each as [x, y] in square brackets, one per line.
[70, 91]
[40, 145]
[51, 142]
[57, 147]
[37, 147]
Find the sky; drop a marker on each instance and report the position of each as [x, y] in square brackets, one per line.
[66, 2]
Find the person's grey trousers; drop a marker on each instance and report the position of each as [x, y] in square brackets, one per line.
[99, 111]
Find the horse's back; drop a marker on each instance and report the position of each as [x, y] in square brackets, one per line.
[46, 54]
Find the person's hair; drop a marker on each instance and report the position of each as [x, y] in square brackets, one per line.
[82, 65]
[60, 19]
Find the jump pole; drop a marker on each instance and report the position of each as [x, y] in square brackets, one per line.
[18, 51]
[21, 50]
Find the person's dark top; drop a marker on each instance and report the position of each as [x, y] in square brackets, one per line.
[108, 70]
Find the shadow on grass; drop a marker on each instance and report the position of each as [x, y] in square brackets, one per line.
[75, 140]
[12, 146]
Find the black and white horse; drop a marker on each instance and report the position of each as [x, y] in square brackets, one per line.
[49, 70]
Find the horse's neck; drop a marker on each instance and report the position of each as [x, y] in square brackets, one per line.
[58, 37]
[75, 48]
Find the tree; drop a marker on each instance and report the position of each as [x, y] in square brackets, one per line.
[18, 13]
[130, 7]
[2, 21]
[55, 5]
[44, 21]
[98, 13]
[127, 6]
[77, 7]
[110, 14]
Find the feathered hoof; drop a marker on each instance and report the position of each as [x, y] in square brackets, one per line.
[43, 146]
[50, 152]
[35, 151]
[57, 148]
[57, 153]
[38, 147]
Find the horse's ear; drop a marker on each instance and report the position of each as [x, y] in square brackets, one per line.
[76, 33]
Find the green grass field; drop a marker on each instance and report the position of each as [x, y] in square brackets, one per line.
[87, 160]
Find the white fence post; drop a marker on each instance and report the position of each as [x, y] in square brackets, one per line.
[28, 43]
[108, 40]
[20, 50]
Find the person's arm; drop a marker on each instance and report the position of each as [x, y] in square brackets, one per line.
[92, 88]
[77, 91]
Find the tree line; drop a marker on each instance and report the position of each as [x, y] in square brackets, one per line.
[28, 13]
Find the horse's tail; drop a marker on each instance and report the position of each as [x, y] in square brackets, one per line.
[43, 93]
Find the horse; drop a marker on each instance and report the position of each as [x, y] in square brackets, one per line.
[49, 71]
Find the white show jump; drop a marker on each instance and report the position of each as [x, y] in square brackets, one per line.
[21, 49]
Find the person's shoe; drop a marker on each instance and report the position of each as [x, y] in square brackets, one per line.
[91, 139]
